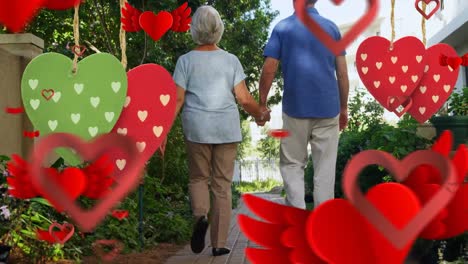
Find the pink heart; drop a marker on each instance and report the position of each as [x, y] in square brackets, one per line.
[87, 220]
[399, 170]
[63, 227]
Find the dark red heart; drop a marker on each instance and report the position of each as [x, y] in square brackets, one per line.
[78, 50]
[16, 14]
[120, 214]
[65, 229]
[425, 15]
[454, 62]
[116, 245]
[156, 25]
[338, 241]
[47, 93]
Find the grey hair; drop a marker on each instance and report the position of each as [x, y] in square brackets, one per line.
[207, 26]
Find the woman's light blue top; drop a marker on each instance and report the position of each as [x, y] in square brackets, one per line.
[210, 114]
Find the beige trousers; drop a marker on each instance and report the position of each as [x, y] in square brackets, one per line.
[212, 165]
[322, 134]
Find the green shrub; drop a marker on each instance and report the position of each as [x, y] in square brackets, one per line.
[258, 186]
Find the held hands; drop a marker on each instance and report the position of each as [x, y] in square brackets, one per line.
[264, 117]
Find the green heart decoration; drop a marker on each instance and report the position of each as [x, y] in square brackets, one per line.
[87, 103]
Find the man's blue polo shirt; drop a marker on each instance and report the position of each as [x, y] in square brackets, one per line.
[310, 84]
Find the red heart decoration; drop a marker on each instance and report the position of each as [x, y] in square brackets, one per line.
[279, 133]
[337, 47]
[71, 180]
[65, 228]
[86, 220]
[390, 73]
[98, 247]
[156, 25]
[436, 85]
[47, 93]
[454, 62]
[120, 214]
[427, 16]
[15, 15]
[338, 241]
[78, 50]
[61, 4]
[399, 170]
[148, 113]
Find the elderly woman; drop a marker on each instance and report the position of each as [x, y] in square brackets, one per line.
[209, 80]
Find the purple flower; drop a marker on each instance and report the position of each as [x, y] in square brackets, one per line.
[5, 212]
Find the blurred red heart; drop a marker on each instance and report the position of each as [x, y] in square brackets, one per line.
[337, 241]
[156, 25]
[16, 14]
[65, 228]
[279, 133]
[99, 245]
[61, 4]
[120, 214]
[71, 180]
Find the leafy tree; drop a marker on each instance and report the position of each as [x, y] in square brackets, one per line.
[268, 147]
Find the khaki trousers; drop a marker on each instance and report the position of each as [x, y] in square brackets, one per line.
[212, 165]
[322, 134]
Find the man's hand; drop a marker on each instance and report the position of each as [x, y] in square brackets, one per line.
[265, 116]
[343, 118]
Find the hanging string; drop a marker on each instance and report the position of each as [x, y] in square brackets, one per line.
[122, 36]
[423, 23]
[76, 36]
[392, 21]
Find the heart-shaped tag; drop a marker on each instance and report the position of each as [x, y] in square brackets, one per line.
[86, 104]
[78, 50]
[399, 104]
[436, 85]
[99, 245]
[15, 15]
[149, 113]
[86, 220]
[337, 47]
[391, 72]
[67, 228]
[156, 25]
[399, 170]
[427, 2]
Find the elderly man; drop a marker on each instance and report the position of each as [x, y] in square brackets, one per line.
[209, 80]
[314, 103]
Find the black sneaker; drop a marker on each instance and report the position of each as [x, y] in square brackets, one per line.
[198, 236]
[220, 251]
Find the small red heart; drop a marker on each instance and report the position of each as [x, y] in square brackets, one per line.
[78, 50]
[120, 214]
[156, 25]
[278, 133]
[65, 228]
[15, 15]
[47, 93]
[116, 245]
[86, 219]
[454, 62]
[337, 241]
[427, 16]
[61, 4]
[337, 47]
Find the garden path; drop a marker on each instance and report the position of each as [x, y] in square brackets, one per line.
[237, 242]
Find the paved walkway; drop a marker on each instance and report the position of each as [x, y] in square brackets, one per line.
[237, 242]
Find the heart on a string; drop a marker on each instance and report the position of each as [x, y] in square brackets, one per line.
[436, 85]
[427, 16]
[336, 46]
[78, 50]
[15, 15]
[156, 25]
[87, 220]
[47, 93]
[65, 228]
[98, 247]
[391, 72]
[399, 237]
[149, 114]
[337, 241]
